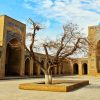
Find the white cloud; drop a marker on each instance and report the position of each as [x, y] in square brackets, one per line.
[82, 12]
[47, 4]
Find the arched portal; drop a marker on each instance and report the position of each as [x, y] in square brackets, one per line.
[35, 69]
[61, 68]
[98, 56]
[75, 69]
[53, 70]
[57, 70]
[13, 58]
[85, 69]
[27, 66]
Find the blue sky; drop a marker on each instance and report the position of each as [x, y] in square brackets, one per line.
[53, 14]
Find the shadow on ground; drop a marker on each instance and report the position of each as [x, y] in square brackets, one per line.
[93, 86]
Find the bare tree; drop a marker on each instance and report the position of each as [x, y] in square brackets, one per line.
[69, 43]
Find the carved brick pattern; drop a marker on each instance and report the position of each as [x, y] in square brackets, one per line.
[10, 35]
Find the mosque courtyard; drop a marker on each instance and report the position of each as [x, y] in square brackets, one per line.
[9, 90]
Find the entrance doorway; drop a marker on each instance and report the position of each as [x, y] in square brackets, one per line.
[27, 66]
[35, 69]
[75, 68]
[13, 58]
[85, 70]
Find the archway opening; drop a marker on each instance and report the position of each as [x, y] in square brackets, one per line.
[98, 56]
[35, 69]
[58, 70]
[13, 58]
[62, 69]
[53, 70]
[75, 68]
[85, 69]
[27, 66]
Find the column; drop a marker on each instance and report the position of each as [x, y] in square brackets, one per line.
[55, 70]
[71, 68]
[38, 68]
[22, 65]
[3, 57]
[31, 67]
[80, 68]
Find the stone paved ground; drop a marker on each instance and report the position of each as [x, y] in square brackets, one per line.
[9, 90]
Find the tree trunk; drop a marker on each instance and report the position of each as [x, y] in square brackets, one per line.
[48, 79]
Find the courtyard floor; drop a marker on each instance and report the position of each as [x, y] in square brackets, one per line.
[9, 90]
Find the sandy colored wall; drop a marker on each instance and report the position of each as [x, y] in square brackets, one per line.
[1, 29]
